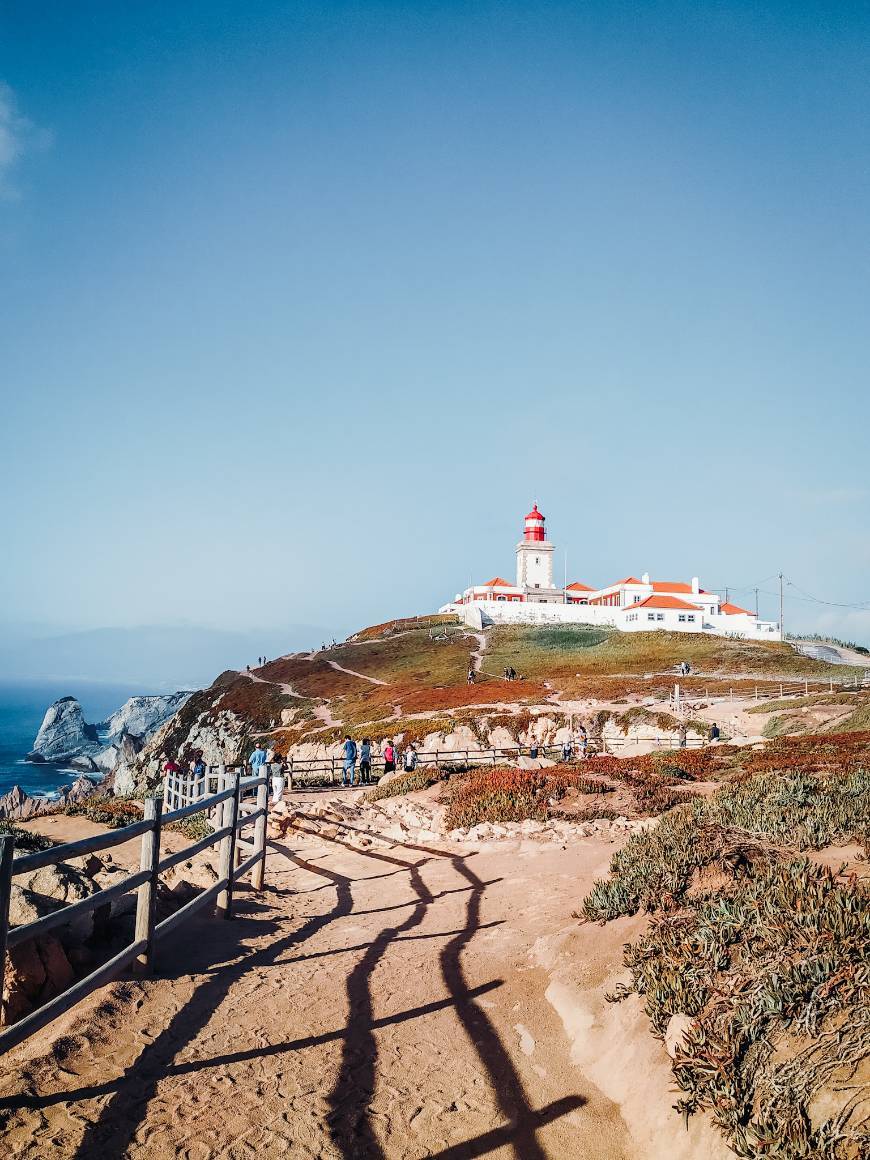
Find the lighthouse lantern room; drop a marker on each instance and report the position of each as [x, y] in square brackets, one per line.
[535, 559]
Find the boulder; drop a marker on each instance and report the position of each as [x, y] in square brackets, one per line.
[48, 889]
[36, 971]
[16, 805]
[64, 733]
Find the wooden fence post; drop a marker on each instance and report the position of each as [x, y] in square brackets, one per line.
[226, 867]
[146, 901]
[260, 837]
[7, 852]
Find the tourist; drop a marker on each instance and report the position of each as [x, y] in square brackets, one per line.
[198, 766]
[171, 766]
[365, 762]
[566, 750]
[348, 773]
[512, 673]
[389, 754]
[277, 778]
[471, 676]
[683, 735]
[714, 732]
[584, 743]
[410, 762]
[257, 759]
[533, 751]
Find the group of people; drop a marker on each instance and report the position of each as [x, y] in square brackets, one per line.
[510, 674]
[363, 754]
[684, 668]
[581, 742]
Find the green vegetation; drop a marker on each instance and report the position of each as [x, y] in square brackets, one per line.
[769, 953]
[106, 810]
[25, 841]
[404, 783]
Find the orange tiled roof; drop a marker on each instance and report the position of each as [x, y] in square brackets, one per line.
[627, 580]
[578, 587]
[735, 610]
[497, 582]
[663, 602]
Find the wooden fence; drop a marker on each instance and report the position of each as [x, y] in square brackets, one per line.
[232, 810]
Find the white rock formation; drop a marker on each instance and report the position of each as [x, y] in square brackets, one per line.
[64, 734]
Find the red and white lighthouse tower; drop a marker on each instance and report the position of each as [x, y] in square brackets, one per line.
[535, 558]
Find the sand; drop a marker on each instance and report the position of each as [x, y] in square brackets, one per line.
[403, 1003]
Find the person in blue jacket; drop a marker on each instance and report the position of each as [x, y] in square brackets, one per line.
[257, 759]
[348, 774]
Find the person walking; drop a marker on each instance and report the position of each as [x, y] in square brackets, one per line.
[566, 750]
[682, 734]
[348, 773]
[257, 760]
[584, 743]
[277, 779]
[714, 732]
[365, 762]
[471, 676]
[410, 762]
[389, 754]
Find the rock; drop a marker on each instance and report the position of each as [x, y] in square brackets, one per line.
[89, 864]
[48, 889]
[140, 717]
[16, 805]
[83, 761]
[64, 733]
[675, 1033]
[36, 971]
[81, 788]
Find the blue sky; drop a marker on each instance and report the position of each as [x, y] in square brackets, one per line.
[302, 306]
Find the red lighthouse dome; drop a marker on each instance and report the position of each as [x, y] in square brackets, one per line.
[533, 528]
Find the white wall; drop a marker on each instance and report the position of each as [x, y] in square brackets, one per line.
[535, 564]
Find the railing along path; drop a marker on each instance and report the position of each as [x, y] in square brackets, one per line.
[231, 810]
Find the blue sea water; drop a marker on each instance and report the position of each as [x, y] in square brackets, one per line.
[22, 707]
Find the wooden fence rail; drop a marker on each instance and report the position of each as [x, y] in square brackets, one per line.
[229, 801]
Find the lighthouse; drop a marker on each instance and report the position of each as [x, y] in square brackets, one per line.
[535, 559]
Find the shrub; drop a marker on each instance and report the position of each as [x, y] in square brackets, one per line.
[418, 778]
[772, 965]
[496, 795]
[108, 811]
[24, 839]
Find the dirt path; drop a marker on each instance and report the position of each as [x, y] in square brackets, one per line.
[288, 690]
[378, 1004]
[353, 673]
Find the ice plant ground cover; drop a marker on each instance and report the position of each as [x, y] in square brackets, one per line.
[767, 952]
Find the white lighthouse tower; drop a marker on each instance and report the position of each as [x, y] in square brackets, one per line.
[535, 560]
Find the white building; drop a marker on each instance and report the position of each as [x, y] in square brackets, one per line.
[631, 604]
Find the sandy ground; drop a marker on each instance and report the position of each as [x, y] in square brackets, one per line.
[402, 1003]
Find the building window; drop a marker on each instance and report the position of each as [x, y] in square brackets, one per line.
[692, 619]
[537, 586]
[660, 616]
[537, 559]
[682, 617]
[501, 598]
[650, 616]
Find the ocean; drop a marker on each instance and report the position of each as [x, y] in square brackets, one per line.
[22, 707]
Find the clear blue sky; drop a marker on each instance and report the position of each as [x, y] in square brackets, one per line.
[302, 305]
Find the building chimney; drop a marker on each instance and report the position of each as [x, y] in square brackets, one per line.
[645, 578]
[696, 584]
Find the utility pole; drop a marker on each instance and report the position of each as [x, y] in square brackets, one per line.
[756, 604]
[726, 593]
[565, 589]
[781, 625]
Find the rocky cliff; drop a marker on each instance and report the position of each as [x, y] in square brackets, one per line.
[66, 738]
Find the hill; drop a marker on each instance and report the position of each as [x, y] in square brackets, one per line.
[409, 680]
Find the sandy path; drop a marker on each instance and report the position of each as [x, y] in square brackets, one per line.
[353, 673]
[368, 1005]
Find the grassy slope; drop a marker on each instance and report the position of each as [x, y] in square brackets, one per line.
[426, 677]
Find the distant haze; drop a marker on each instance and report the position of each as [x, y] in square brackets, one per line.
[157, 658]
